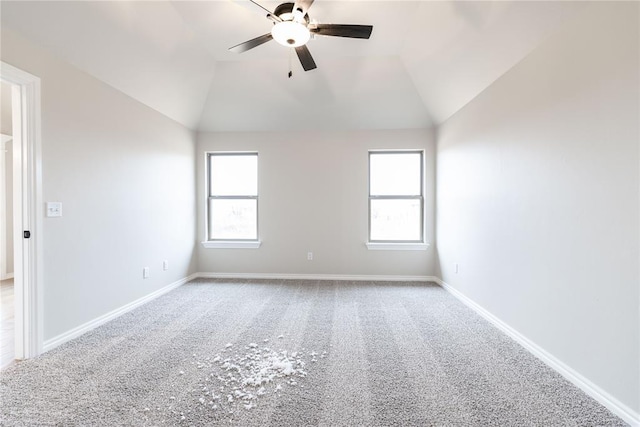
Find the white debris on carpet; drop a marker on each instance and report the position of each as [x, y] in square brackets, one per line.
[235, 380]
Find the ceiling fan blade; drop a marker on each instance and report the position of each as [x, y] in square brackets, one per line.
[303, 6]
[243, 47]
[305, 58]
[270, 14]
[343, 30]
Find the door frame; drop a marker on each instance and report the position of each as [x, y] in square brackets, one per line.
[28, 209]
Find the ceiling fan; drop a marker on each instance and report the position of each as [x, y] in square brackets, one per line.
[293, 28]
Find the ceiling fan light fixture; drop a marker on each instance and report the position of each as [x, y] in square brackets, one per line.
[290, 33]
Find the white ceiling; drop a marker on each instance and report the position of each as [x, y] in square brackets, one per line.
[425, 59]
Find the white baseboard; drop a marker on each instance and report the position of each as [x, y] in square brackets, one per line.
[6, 364]
[7, 276]
[610, 402]
[317, 277]
[86, 327]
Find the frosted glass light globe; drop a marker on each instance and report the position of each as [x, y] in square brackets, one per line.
[290, 33]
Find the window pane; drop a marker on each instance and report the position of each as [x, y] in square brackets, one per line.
[234, 175]
[395, 174]
[395, 220]
[233, 219]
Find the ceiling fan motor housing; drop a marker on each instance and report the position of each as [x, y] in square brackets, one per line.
[285, 12]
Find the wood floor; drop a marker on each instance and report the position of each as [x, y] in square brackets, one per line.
[7, 323]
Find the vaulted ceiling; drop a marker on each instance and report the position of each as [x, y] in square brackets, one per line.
[424, 61]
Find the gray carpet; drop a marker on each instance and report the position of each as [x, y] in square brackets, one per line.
[365, 354]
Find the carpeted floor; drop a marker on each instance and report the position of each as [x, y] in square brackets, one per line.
[365, 354]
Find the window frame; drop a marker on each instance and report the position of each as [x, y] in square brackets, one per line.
[211, 242]
[419, 244]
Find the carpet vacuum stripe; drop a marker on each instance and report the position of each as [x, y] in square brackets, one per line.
[294, 353]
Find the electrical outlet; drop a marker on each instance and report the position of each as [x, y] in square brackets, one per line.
[309, 256]
[457, 268]
[145, 273]
[165, 265]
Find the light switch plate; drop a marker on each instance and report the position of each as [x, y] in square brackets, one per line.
[54, 209]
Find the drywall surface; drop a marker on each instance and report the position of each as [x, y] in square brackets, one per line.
[313, 197]
[538, 198]
[8, 206]
[6, 125]
[125, 176]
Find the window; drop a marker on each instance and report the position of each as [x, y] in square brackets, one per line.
[396, 199]
[232, 208]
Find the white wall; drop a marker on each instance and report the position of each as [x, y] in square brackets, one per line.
[5, 109]
[6, 205]
[538, 198]
[126, 177]
[313, 197]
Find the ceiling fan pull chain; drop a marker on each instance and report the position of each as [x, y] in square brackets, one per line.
[290, 70]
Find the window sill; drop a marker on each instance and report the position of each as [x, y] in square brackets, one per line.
[230, 244]
[397, 246]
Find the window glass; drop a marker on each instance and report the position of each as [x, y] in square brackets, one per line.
[234, 175]
[395, 196]
[395, 220]
[395, 174]
[231, 219]
[232, 208]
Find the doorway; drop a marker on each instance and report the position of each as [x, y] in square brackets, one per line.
[7, 306]
[22, 211]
